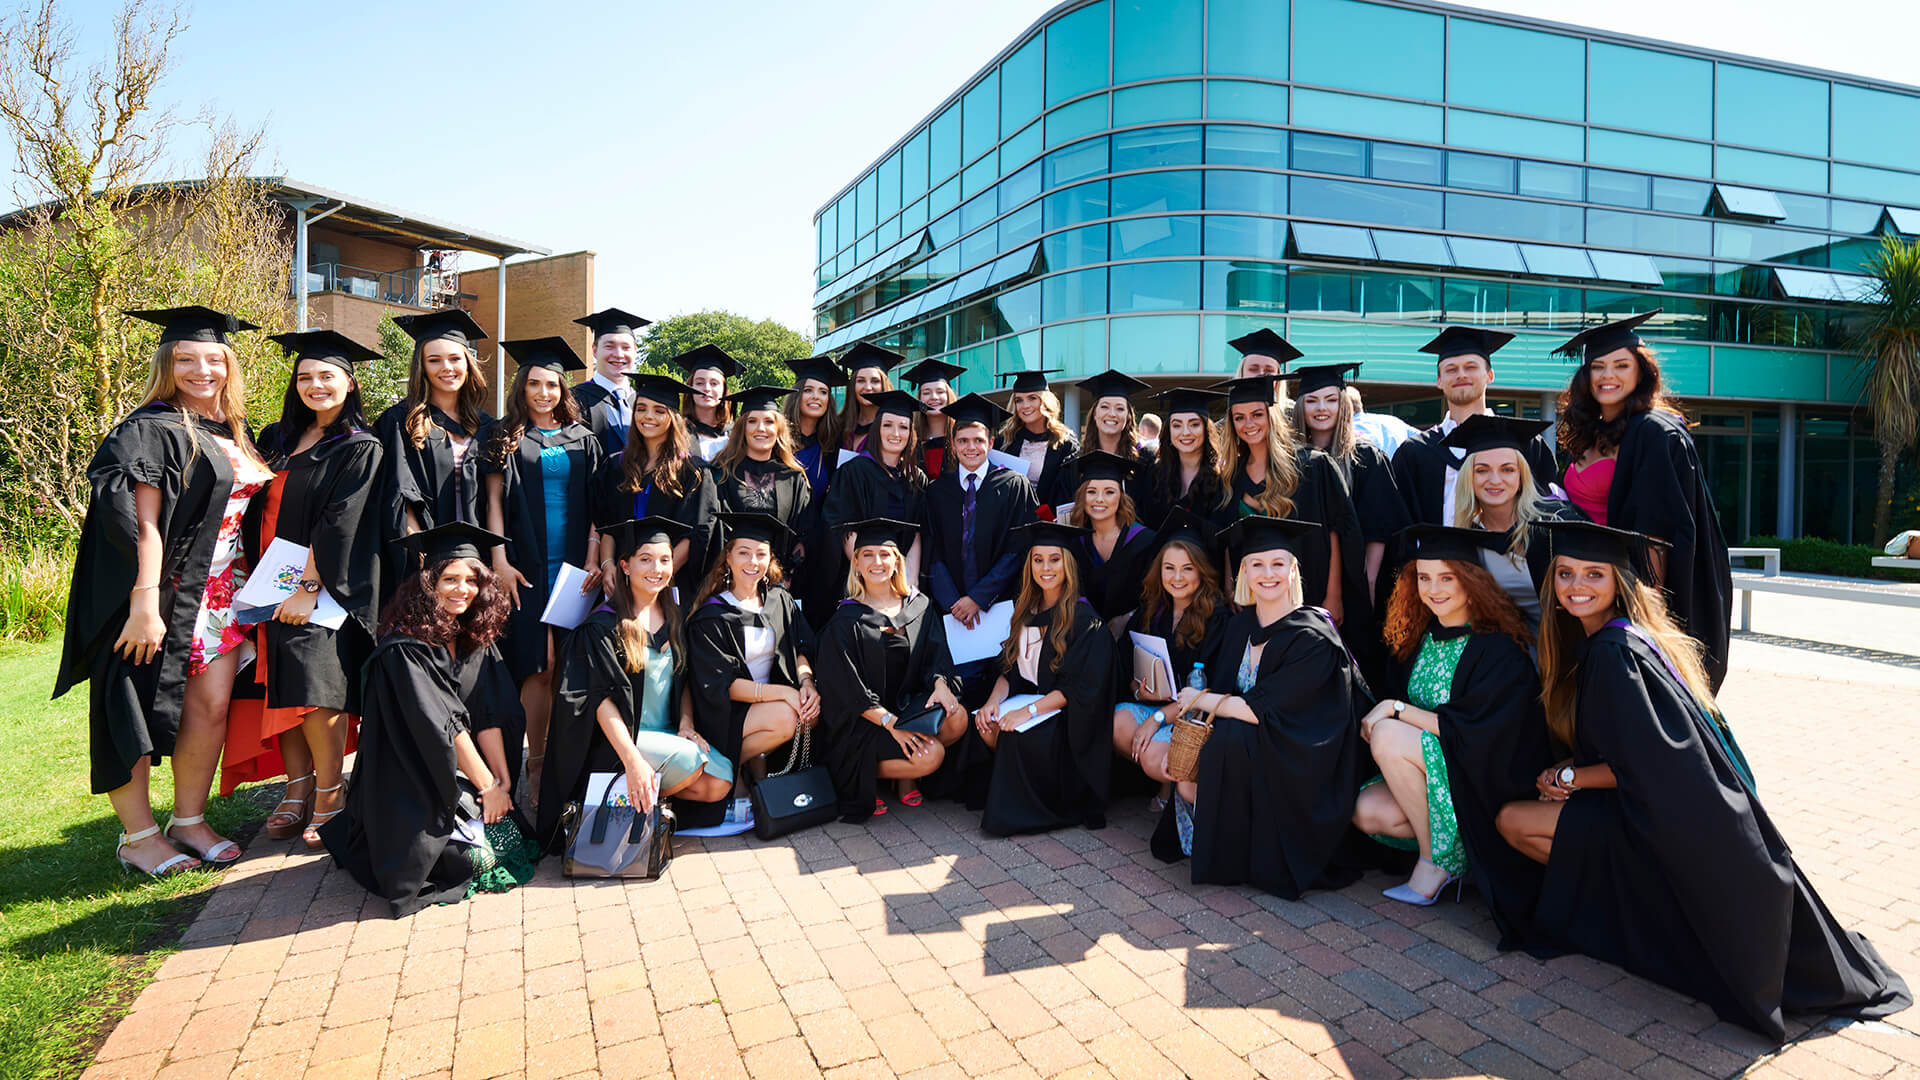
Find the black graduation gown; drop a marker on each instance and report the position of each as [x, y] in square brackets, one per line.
[1376, 499]
[765, 487]
[599, 410]
[492, 697]
[1420, 472]
[862, 489]
[1679, 875]
[1056, 775]
[1539, 552]
[933, 455]
[134, 709]
[326, 506]
[1275, 799]
[693, 507]
[424, 479]
[523, 496]
[1660, 489]
[855, 675]
[402, 801]
[1202, 498]
[1004, 502]
[716, 649]
[705, 431]
[1055, 486]
[809, 580]
[1113, 586]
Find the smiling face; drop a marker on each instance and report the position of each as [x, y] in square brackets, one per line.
[1585, 589]
[1110, 416]
[1187, 432]
[1047, 565]
[970, 445]
[1179, 577]
[1268, 575]
[747, 561]
[650, 569]
[1321, 409]
[1029, 409]
[614, 356]
[1100, 498]
[868, 380]
[1258, 365]
[322, 385]
[877, 564]
[1441, 591]
[762, 431]
[1614, 377]
[445, 363]
[1496, 477]
[1250, 421]
[894, 432]
[543, 391]
[456, 585]
[709, 386]
[1464, 379]
[199, 373]
[816, 399]
[651, 419]
[935, 395]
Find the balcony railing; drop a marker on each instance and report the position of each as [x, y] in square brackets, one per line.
[419, 286]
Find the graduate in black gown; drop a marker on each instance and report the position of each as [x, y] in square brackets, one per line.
[1113, 426]
[1036, 435]
[1659, 855]
[295, 709]
[1114, 553]
[1323, 419]
[883, 481]
[1423, 470]
[757, 473]
[1264, 352]
[1462, 733]
[1055, 774]
[933, 387]
[815, 430]
[883, 659]
[1278, 776]
[1186, 473]
[1616, 408]
[434, 437]
[866, 366]
[404, 802]
[707, 410]
[1495, 492]
[606, 398]
[657, 474]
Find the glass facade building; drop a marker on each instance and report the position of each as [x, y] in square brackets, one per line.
[1132, 183]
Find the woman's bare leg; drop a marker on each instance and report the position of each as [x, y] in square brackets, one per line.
[196, 751]
[1529, 827]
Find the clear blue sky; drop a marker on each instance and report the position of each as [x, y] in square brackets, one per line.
[689, 144]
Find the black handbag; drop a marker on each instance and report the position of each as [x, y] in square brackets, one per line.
[797, 797]
[614, 840]
[924, 722]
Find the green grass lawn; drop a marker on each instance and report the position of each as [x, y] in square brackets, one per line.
[77, 937]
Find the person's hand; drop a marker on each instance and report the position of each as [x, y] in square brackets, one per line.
[495, 802]
[513, 579]
[1337, 609]
[1185, 702]
[1143, 736]
[988, 718]
[809, 704]
[693, 737]
[1373, 717]
[594, 578]
[140, 637]
[966, 611]
[942, 697]
[1548, 784]
[297, 608]
[643, 785]
[912, 744]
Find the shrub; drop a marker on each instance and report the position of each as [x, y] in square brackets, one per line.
[1815, 556]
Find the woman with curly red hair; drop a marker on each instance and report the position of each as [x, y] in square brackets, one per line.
[1466, 737]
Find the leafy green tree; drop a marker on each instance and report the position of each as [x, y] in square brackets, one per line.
[1890, 344]
[762, 348]
[383, 382]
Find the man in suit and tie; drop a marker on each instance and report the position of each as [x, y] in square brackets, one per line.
[606, 399]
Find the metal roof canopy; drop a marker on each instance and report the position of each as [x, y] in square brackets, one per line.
[376, 221]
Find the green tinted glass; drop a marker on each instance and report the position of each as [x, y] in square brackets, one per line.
[913, 166]
[1885, 184]
[943, 146]
[1649, 152]
[1156, 193]
[1514, 70]
[1342, 200]
[1022, 82]
[1245, 237]
[1080, 292]
[1861, 120]
[1247, 37]
[1022, 148]
[1768, 170]
[1260, 147]
[1070, 122]
[889, 180]
[1144, 238]
[1482, 214]
[1075, 247]
[1079, 348]
[1367, 116]
[1252, 192]
[980, 117]
[1771, 109]
[1515, 135]
[1155, 38]
[1650, 91]
[1077, 53]
[1345, 43]
[1231, 283]
[1153, 286]
[1148, 343]
[1074, 205]
[1229, 99]
[1156, 102]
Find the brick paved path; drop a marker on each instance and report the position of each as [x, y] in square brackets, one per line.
[919, 947]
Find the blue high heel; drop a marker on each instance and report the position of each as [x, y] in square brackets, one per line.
[1407, 894]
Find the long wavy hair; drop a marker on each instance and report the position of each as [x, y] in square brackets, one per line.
[1129, 435]
[719, 577]
[470, 406]
[826, 430]
[856, 586]
[1489, 609]
[506, 433]
[1283, 465]
[233, 399]
[1206, 482]
[415, 611]
[1027, 606]
[1207, 598]
[1526, 502]
[1581, 426]
[1057, 432]
[1640, 604]
[1124, 515]
[850, 413]
[632, 633]
[910, 471]
[1345, 435]
[727, 461]
[296, 417]
[640, 465]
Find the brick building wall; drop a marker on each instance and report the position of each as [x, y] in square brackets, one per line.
[544, 296]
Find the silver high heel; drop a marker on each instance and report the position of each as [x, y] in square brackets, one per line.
[221, 854]
[1407, 894]
[168, 868]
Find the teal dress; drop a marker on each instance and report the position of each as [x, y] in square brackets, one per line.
[1429, 686]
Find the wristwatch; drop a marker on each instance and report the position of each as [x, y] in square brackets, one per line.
[1398, 707]
[1158, 718]
[1565, 777]
[887, 720]
[309, 585]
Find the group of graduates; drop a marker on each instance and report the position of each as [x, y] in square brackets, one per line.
[1449, 658]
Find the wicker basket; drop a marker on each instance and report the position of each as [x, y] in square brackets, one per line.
[1190, 731]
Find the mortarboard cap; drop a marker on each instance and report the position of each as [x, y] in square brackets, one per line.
[1443, 542]
[192, 323]
[1264, 342]
[1029, 382]
[863, 355]
[927, 371]
[548, 352]
[1100, 465]
[1112, 384]
[1183, 524]
[659, 389]
[707, 356]
[756, 398]
[1320, 377]
[631, 536]
[1489, 432]
[753, 526]
[1589, 542]
[454, 540]
[821, 369]
[974, 409]
[1049, 534]
[1185, 399]
[876, 531]
[1252, 388]
[613, 321]
[332, 346]
[1464, 340]
[1607, 337]
[898, 402]
[1253, 535]
[452, 324]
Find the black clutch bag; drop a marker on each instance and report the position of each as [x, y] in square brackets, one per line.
[797, 797]
[925, 722]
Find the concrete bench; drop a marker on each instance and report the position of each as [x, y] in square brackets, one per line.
[1768, 579]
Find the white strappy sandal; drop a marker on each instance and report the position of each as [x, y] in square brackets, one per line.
[311, 834]
[168, 868]
[221, 854]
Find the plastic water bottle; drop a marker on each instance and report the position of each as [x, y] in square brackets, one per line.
[1197, 678]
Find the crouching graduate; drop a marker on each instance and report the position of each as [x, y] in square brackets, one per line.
[883, 659]
[404, 834]
[620, 702]
[1278, 777]
[1659, 856]
[1051, 756]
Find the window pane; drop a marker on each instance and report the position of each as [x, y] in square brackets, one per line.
[1556, 261]
[843, 215]
[1515, 70]
[1019, 227]
[1375, 203]
[1229, 99]
[1806, 211]
[1019, 309]
[1650, 91]
[1155, 147]
[1480, 172]
[1025, 145]
[1247, 37]
[1769, 170]
[1082, 292]
[1853, 217]
[979, 176]
[979, 248]
[1398, 296]
[1754, 243]
[1483, 302]
[1229, 285]
[913, 166]
[1516, 135]
[1861, 182]
[1486, 254]
[1246, 237]
[1070, 122]
[1075, 247]
[1087, 202]
[1256, 193]
[1544, 307]
[1155, 38]
[1619, 189]
[945, 197]
[1081, 159]
[1861, 120]
[944, 230]
[1140, 238]
[1077, 53]
[1771, 109]
[943, 148]
[1418, 249]
[1346, 44]
[1332, 242]
[978, 211]
[1148, 343]
[1649, 152]
[1367, 116]
[1408, 164]
[1160, 192]
[1544, 180]
[863, 201]
[1020, 187]
[1022, 77]
[1321, 290]
[1080, 348]
[1261, 147]
[829, 239]
[1681, 196]
[1154, 286]
[1156, 103]
[1649, 232]
[864, 250]
[1685, 275]
[1510, 217]
[1327, 154]
[889, 193]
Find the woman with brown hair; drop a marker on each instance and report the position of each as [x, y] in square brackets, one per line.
[1658, 854]
[815, 433]
[658, 475]
[933, 387]
[149, 614]
[1112, 426]
[757, 472]
[1632, 465]
[1113, 556]
[1463, 734]
[867, 367]
[708, 412]
[1183, 603]
[1035, 435]
[883, 481]
[1186, 474]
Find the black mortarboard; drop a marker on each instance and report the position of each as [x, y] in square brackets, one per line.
[819, 368]
[1442, 542]
[1100, 465]
[332, 346]
[631, 536]
[863, 355]
[898, 402]
[974, 409]
[1253, 535]
[927, 371]
[1049, 534]
[1321, 376]
[707, 356]
[1264, 342]
[755, 398]
[192, 323]
[452, 324]
[1183, 524]
[1252, 388]
[1605, 338]
[1489, 432]
[1461, 340]
[1185, 399]
[753, 526]
[548, 352]
[1112, 384]
[613, 321]
[875, 531]
[1029, 382]
[1589, 542]
[454, 540]
[659, 389]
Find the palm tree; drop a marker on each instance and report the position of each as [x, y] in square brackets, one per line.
[1890, 346]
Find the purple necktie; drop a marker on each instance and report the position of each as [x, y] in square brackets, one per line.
[969, 566]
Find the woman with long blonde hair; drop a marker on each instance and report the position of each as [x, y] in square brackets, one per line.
[1035, 435]
[150, 622]
[1495, 491]
[1322, 418]
[1659, 855]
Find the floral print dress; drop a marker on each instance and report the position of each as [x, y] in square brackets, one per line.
[214, 632]
[1429, 686]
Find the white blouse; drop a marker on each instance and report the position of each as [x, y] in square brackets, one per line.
[1029, 660]
[759, 644]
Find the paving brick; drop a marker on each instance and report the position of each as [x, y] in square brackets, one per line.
[837, 1037]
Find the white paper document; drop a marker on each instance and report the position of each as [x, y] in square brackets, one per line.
[845, 456]
[1007, 461]
[710, 448]
[567, 606]
[279, 572]
[987, 638]
[1017, 702]
[1158, 647]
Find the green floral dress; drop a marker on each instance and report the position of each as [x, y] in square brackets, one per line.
[1429, 686]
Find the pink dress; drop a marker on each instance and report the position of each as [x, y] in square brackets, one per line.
[214, 632]
[1589, 487]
